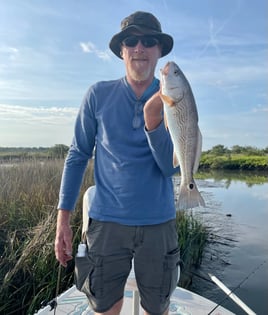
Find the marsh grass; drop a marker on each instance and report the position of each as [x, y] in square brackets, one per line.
[28, 268]
[192, 238]
[28, 201]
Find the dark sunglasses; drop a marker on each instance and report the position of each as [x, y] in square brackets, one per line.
[146, 40]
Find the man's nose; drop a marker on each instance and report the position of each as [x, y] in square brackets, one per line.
[139, 46]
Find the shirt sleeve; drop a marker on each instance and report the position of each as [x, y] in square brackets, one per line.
[80, 152]
[162, 149]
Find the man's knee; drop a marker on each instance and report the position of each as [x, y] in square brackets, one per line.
[114, 310]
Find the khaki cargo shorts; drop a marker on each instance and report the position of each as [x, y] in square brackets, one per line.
[112, 248]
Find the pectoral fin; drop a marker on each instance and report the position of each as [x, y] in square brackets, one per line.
[166, 99]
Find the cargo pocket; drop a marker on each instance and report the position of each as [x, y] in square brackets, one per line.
[82, 271]
[88, 276]
[171, 272]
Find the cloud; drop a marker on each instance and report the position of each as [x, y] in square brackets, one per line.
[8, 50]
[40, 115]
[89, 47]
[260, 109]
[36, 126]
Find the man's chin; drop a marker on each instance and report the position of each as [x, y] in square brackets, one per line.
[140, 75]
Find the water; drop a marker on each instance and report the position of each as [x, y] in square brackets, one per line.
[237, 215]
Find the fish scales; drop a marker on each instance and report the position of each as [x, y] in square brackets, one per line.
[181, 118]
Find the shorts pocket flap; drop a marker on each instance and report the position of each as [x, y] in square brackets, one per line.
[173, 259]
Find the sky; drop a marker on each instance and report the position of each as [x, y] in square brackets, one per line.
[52, 51]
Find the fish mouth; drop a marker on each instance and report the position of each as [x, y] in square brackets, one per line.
[165, 70]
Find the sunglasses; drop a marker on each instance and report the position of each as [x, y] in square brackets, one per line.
[146, 40]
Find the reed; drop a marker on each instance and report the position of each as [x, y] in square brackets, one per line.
[192, 238]
[28, 268]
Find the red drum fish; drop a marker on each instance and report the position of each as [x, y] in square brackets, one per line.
[181, 119]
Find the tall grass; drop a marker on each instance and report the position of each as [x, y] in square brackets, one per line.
[192, 238]
[28, 200]
[28, 268]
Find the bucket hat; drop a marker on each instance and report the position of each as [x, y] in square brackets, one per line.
[144, 23]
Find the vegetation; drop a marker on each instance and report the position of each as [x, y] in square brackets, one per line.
[236, 158]
[28, 268]
[219, 157]
[58, 151]
[192, 238]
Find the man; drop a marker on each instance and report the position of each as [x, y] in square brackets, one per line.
[132, 216]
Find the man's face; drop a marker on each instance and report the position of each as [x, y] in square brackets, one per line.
[140, 54]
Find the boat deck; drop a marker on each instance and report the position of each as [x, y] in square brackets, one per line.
[183, 302]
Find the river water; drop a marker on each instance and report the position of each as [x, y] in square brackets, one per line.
[237, 253]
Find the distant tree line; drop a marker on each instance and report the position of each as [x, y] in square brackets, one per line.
[218, 157]
[236, 149]
[236, 158]
[58, 151]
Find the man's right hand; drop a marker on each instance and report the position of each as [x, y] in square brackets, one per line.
[63, 240]
[153, 112]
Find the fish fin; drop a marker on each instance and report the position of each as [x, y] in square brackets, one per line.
[175, 160]
[198, 151]
[166, 99]
[189, 198]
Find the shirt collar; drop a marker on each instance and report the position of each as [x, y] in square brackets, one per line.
[152, 88]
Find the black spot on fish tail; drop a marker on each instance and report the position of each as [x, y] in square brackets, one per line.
[191, 186]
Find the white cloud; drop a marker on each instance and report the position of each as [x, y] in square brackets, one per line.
[89, 47]
[260, 108]
[36, 126]
[8, 50]
[40, 115]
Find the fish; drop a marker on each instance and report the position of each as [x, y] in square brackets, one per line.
[181, 119]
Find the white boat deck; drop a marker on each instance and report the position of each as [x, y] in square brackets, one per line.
[183, 302]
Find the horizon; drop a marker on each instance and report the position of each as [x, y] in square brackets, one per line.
[59, 144]
[51, 52]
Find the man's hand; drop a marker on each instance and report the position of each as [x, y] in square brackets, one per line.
[153, 112]
[64, 235]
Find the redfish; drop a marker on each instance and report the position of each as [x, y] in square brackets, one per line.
[181, 119]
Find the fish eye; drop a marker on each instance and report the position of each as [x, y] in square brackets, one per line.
[176, 72]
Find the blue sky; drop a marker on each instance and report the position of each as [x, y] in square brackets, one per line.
[52, 51]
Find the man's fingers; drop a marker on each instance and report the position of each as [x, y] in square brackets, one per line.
[63, 248]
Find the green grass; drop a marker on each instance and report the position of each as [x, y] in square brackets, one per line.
[28, 268]
[192, 238]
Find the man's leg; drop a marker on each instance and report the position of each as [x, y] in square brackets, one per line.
[156, 260]
[110, 254]
[115, 310]
[165, 313]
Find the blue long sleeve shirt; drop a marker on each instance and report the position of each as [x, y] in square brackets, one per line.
[132, 167]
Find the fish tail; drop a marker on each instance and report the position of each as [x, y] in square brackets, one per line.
[189, 197]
